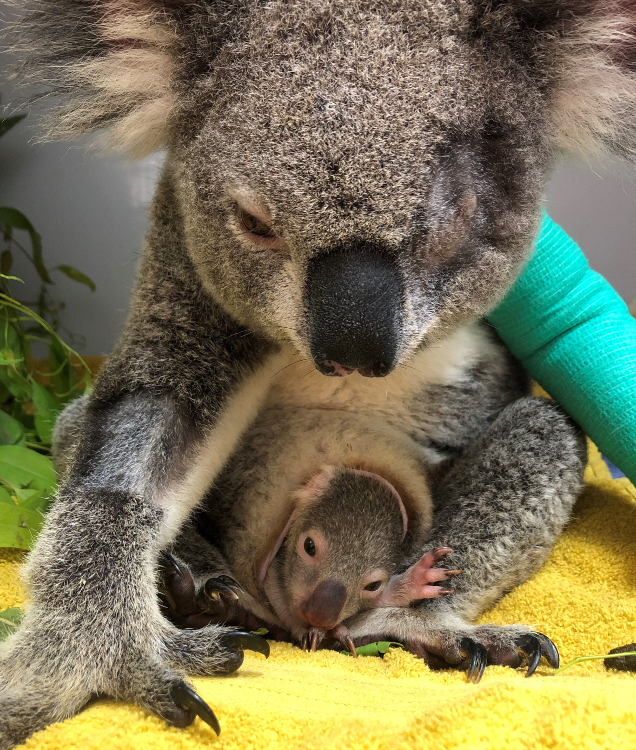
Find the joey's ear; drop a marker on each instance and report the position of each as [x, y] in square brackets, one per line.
[115, 63]
[584, 53]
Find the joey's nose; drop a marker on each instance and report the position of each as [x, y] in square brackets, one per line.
[322, 609]
[353, 299]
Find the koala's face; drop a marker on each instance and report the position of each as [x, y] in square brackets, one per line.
[361, 188]
[340, 552]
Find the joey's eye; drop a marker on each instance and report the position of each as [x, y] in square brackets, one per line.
[310, 547]
[373, 586]
[255, 226]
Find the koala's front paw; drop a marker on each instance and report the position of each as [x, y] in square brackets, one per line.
[444, 642]
[50, 669]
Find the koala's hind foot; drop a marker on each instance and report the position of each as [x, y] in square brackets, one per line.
[445, 642]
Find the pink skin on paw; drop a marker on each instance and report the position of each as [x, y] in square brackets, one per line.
[415, 582]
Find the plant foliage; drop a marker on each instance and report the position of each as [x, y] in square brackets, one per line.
[32, 392]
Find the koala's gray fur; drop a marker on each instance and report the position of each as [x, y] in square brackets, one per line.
[403, 142]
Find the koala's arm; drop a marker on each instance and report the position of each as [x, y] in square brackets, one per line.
[164, 415]
[575, 336]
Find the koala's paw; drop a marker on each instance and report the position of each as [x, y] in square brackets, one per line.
[50, 669]
[460, 646]
[217, 602]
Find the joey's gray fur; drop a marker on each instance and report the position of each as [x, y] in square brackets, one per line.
[405, 145]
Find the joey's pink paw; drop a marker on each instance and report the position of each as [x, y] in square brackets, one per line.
[417, 581]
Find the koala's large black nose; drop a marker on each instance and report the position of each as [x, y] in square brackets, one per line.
[353, 301]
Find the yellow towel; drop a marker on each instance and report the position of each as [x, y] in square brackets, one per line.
[584, 599]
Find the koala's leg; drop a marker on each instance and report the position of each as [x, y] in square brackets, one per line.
[94, 625]
[500, 507]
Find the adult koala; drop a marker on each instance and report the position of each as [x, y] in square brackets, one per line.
[346, 184]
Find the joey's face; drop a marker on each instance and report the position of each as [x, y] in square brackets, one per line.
[367, 195]
[340, 551]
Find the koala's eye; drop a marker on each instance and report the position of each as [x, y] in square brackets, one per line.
[373, 586]
[310, 547]
[255, 226]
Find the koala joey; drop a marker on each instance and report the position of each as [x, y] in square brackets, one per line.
[348, 188]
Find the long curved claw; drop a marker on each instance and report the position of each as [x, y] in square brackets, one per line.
[169, 564]
[230, 583]
[304, 642]
[478, 659]
[348, 642]
[549, 650]
[185, 697]
[315, 639]
[215, 590]
[240, 640]
[530, 647]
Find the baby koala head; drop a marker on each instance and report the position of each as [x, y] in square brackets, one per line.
[338, 554]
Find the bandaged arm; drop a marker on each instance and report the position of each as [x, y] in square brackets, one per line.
[575, 336]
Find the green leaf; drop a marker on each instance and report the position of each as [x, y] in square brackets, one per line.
[6, 263]
[78, 276]
[6, 123]
[46, 411]
[11, 431]
[260, 631]
[33, 500]
[19, 526]
[380, 648]
[5, 497]
[23, 467]
[12, 378]
[16, 219]
[9, 621]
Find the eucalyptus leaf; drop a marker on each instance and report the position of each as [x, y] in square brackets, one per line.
[6, 263]
[9, 621]
[17, 537]
[33, 500]
[78, 276]
[379, 648]
[5, 496]
[13, 218]
[26, 468]
[46, 411]
[11, 431]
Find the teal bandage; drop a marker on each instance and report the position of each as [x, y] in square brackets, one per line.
[575, 336]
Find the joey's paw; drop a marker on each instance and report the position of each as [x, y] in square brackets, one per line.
[473, 648]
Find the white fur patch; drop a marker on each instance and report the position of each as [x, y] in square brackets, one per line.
[595, 99]
[179, 500]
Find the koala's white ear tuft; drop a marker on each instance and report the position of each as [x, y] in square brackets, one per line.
[593, 97]
[111, 62]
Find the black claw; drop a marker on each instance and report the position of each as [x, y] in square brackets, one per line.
[169, 564]
[530, 646]
[213, 586]
[245, 641]
[185, 697]
[549, 650]
[483, 661]
[478, 658]
[230, 582]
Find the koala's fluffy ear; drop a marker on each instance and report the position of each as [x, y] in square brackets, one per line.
[584, 52]
[114, 63]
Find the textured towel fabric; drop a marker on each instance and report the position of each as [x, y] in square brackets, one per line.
[575, 336]
[584, 598]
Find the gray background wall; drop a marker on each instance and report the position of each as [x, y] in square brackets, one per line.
[92, 213]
